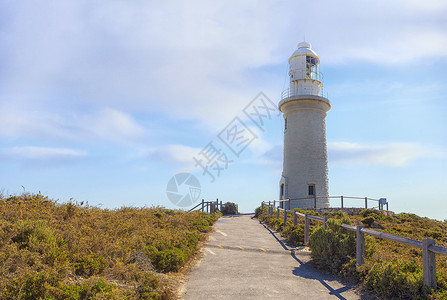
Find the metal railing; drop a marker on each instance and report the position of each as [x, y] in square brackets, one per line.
[298, 91]
[380, 202]
[429, 249]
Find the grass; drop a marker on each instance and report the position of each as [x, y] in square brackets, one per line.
[391, 270]
[76, 251]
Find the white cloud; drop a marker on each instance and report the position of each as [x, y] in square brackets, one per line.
[180, 156]
[33, 123]
[113, 125]
[106, 124]
[42, 153]
[394, 154]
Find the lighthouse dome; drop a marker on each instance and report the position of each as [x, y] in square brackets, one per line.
[304, 48]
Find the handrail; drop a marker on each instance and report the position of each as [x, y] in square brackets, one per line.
[438, 249]
[290, 92]
[349, 227]
[195, 207]
[210, 206]
[392, 237]
[342, 198]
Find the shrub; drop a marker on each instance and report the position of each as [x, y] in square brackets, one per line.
[402, 280]
[370, 212]
[368, 221]
[297, 236]
[336, 214]
[229, 208]
[331, 248]
[89, 265]
[169, 259]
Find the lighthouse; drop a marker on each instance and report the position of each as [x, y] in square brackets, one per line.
[304, 178]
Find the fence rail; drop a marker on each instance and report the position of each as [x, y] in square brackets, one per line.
[429, 249]
[208, 206]
[380, 202]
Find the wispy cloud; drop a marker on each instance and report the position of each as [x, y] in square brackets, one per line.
[179, 156]
[394, 154]
[107, 124]
[31, 153]
[113, 125]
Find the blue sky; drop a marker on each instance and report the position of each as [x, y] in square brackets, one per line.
[104, 101]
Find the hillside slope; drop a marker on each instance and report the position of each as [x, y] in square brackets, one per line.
[76, 251]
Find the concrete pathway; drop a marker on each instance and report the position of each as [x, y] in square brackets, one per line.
[245, 260]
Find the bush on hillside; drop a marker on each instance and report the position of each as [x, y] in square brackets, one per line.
[332, 248]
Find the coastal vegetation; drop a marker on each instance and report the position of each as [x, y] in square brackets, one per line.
[73, 250]
[391, 270]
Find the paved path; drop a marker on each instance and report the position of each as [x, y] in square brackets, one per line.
[245, 260]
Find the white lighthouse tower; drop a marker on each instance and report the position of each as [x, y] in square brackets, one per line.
[305, 168]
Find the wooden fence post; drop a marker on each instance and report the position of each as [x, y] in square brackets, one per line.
[274, 203]
[295, 219]
[277, 213]
[428, 263]
[285, 218]
[203, 208]
[341, 197]
[306, 229]
[360, 251]
[366, 202]
[289, 204]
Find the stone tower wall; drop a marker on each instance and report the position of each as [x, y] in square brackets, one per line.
[305, 156]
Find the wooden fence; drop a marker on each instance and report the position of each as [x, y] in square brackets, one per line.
[429, 249]
[208, 206]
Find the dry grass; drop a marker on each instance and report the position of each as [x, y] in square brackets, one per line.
[75, 251]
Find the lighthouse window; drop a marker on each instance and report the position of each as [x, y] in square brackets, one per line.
[311, 67]
[311, 189]
[285, 123]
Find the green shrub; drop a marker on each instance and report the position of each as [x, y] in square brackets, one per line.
[36, 236]
[33, 286]
[396, 280]
[336, 214]
[259, 211]
[202, 225]
[297, 236]
[90, 265]
[169, 260]
[331, 248]
[229, 208]
[368, 221]
[147, 289]
[370, 212]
